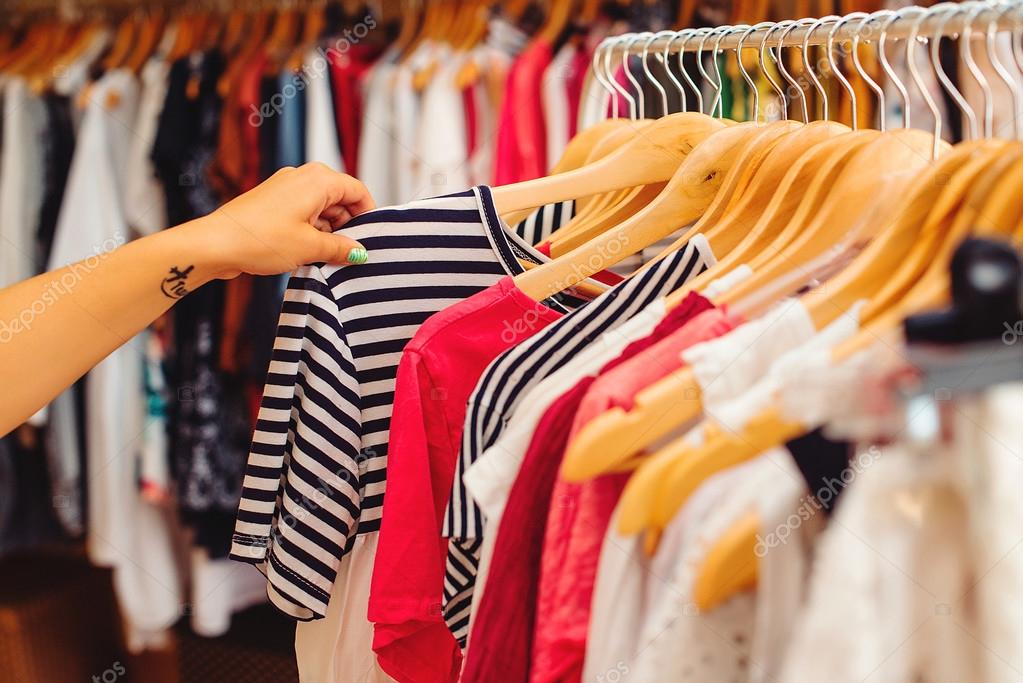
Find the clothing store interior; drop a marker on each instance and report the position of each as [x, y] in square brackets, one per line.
[691, 352]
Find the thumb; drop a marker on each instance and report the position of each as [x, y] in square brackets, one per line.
[335, 248]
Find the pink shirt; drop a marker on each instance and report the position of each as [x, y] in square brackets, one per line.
[521, 150]
[438, 370]
[577, 523]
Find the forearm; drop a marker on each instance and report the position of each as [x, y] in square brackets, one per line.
[72, 318]
[55, 327]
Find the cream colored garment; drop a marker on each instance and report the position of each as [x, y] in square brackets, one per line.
[339, 647]
[890, 592]
[723, 365]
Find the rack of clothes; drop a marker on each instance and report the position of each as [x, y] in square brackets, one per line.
[121, 119]
[777, 448]
[613, 390]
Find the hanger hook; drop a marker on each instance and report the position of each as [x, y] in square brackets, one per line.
[644, 57]
[914, 71]
[833, 63]
[966, 52]
[809, 69]
[1011, 83]
[892, 17]
[1017, 40]
[613, 78]
[704, 34]
[871, 83]
[790, 25]
[639, 112]
[716, 82]
[945, 12]
[672, 36]
[719, 101]
[783, 102]
[742, 68]
[598, 74]
[686, 35]
[609, 76]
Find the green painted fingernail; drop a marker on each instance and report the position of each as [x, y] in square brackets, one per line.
[357, 256]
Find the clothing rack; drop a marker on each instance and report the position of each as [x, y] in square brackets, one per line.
[944, 20]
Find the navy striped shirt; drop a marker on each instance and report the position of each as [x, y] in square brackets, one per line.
[511, 375]
[317, 465]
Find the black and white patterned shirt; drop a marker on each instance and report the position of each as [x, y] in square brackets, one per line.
[317, 466]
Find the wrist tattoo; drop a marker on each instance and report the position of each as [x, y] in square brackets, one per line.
[173, 286]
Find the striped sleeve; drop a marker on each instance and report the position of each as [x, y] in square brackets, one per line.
[538, 226]
[300, 498]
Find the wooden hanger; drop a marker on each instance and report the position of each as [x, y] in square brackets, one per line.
[649, 158]
[426, 29]
[234, 30]
[66, 46]
[603, 445]
[514, 9]
[36, 46]
[258, 31]
[557, 20]
[31, 40]
[589, 209]
[411, 14]
[874, 173]
[745, 208]
[582, 149]
[284, 35]
[189, 31]
[785, 184]
[594, 451]
[150, 31]
[926, 206]
[213, 30]
[478, 26]
[931, 289]
[124, 39]
[871, 180]
[686, 13]
[314, 23]
[686, 196]
[890, 265]
[441, 31]
[730, 566]
[735, 180]
[589, 12]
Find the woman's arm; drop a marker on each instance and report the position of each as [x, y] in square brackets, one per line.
[56, 326]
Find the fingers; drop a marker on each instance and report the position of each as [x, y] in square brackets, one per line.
[340, 189]
[335, 216]
[337, 249]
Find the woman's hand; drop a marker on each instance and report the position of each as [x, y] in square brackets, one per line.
[57, 325]
[285, 222]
